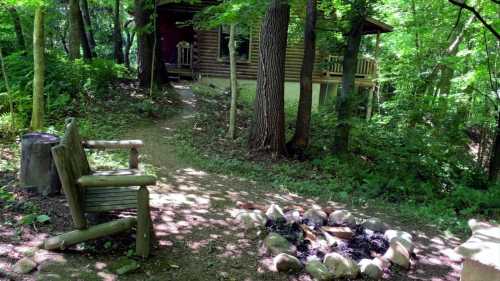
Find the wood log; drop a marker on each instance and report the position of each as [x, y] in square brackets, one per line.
[73, 237]
[309, 234]
[143, 242]
[118, 144]
[105, 181]
[38, 173]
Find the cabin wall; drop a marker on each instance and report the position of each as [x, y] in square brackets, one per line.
[212, 66]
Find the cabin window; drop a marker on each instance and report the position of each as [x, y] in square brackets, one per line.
[242, 43]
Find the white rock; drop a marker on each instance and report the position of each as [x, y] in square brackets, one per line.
[371, 268]
[341, 217]
[287, 263]
[275, 213]
[375, 224]
[293, 216]
[402, 237]
[340, 266]
[24, 265]
[315, 217]
[398, 254]
[251, 219]
[278, 244]
[319, 271]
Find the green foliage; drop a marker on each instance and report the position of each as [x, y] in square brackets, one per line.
[424, 170]
[68, 84]
[33, 219]
[5, 195]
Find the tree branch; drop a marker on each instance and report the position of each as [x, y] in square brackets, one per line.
[477, 14]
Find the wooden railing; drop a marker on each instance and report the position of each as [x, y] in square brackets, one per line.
[184, 54]
[365, 67]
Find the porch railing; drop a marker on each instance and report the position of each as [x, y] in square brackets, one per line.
[364, 67]
[184, 54]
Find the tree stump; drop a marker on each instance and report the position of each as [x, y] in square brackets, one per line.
[38, 172]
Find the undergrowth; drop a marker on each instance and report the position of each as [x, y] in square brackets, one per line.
[426, 175]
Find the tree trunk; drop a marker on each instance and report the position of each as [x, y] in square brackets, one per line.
[234, 81]
[130, 36]
[88, 25]
[128, 46]
[18, 29]
[39, 70]
[268, 127]
[494, 169]
[74, 30]
[9, 93]
[144, 43]
[117, 35]
[447, 72]
[343, 106]
[87, 52]
[300, 140]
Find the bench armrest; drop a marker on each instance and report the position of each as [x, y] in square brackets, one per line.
[133, 161]
[122, 181]
[102, 144]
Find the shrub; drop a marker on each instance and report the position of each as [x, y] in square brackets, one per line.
[66, 83]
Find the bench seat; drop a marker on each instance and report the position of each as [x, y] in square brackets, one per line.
[102, 199]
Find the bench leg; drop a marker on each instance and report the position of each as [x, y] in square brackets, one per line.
[143, 242]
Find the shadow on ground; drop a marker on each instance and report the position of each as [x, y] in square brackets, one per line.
[193, 213]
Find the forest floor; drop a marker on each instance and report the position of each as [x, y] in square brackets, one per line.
[197, 237]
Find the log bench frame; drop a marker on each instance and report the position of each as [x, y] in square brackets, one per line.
[88, 191]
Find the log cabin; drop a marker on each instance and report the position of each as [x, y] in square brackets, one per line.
[197, 54]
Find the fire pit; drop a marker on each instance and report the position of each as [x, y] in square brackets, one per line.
[327, 243]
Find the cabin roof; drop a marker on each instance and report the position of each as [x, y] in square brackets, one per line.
[373, 26]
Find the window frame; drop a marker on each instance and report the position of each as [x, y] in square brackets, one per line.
[238, 59]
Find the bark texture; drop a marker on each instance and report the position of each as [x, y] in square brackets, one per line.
[74, 30]
[84, 5]
[300, 140]
[268, 132]
[39, 70]
[144, 43]
[117, 35]
[87, 52]
[494, 169]
[130, 36]
[16, 20]
[343, 106]
[234, 81]
[447, 71]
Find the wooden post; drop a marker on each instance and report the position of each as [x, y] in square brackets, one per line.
[369, 106]
[332, 90]
[322, 94]
[133, 161]
[143, 242]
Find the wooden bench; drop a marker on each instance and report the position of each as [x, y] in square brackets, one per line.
[90, 191]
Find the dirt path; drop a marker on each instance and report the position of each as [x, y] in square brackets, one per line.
[198, 240]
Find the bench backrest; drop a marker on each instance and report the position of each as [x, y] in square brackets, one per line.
[71, 163]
